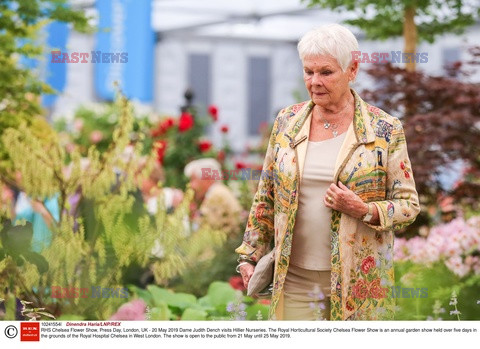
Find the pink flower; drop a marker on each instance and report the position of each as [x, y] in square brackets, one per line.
[134, 310]
[96, 136]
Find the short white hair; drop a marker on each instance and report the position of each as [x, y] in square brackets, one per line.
[331, 39]
[195, 167]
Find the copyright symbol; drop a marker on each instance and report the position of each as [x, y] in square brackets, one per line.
[11, 331]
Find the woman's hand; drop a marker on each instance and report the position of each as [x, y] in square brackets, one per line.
[246, 270]
[342, 199]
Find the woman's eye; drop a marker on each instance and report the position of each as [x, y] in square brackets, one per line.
[308, 72]
[327, 72]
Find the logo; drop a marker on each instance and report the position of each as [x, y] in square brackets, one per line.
[11, 331]
[30, 331]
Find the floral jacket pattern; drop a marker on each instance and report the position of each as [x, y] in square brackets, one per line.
[373, 162]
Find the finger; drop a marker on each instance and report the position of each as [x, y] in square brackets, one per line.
[327, 202]
[330, 193]
[334, 188]
[342, 186]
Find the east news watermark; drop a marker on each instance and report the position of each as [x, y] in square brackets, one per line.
[89, 292]
[389, 57]
[95, 57]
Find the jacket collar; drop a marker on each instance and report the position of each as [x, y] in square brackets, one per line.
[361, 122]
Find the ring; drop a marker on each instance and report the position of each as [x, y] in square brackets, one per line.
[329, 199]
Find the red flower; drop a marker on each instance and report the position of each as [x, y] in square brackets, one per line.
[161, 147]
[221, 156]
[367, 264]
[402, 165]
[213, 111]
[204, 145]
[376, 291]
[360, 289]
[260, 211]
[224, 129]
[407, 175]
[239, 165]
[185, 122]
[264, 301]
[236, 282]
[163, 127]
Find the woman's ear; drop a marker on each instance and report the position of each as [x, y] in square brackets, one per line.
[353, 70]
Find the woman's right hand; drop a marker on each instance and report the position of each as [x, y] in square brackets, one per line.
[246, 270]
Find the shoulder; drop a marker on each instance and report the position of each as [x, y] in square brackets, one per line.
[288, 113]
[291, 110]
[382, 121]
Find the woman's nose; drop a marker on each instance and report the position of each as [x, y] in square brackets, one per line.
[317, 79]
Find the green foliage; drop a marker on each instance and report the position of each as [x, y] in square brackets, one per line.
[20, 23]
[95, 125]
[441, 283]
[114, 235]
[183, 306]
[384, 19]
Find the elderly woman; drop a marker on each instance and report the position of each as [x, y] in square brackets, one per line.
[337, 184]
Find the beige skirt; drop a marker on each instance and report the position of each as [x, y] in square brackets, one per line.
[306, 294]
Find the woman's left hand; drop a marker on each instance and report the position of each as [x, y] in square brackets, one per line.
[342, 199]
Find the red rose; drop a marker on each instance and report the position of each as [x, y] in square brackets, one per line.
[376, 291]
[160, 146]
[213, 111]
[204, 146]
[407, 175]
[360, 289]
[367, 264]
[402, 165]
[224, 129]
[236, 282]
[185, 122]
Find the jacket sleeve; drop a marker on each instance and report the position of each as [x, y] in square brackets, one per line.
[401, 206]
[260, 223]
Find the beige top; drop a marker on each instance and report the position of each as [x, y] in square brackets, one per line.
[311, 236]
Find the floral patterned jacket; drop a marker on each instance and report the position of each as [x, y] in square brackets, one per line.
[374, 163]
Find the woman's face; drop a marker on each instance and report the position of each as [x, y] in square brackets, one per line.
[325, 81]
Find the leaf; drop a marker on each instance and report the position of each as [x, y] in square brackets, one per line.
[194, 314]
[253, 310]
[160, 312]
[45, 314]
[220, 293]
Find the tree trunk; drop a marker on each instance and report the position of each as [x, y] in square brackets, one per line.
[410, 36]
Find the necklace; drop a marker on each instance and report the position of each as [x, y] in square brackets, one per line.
[331, 125]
